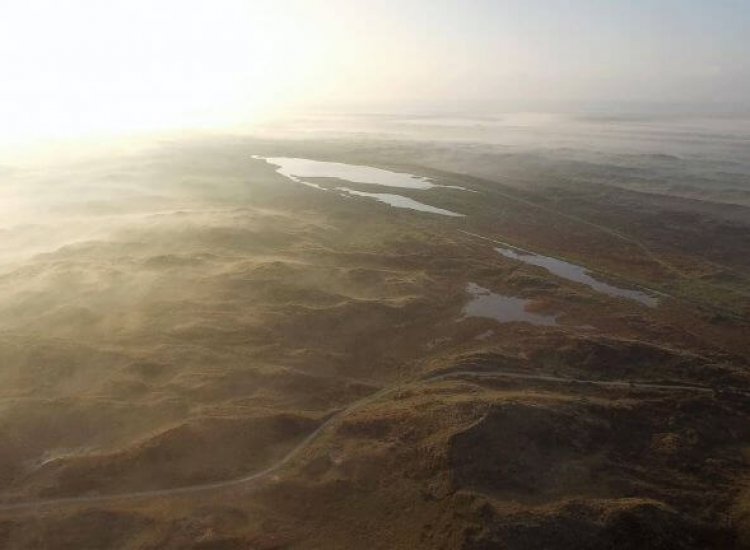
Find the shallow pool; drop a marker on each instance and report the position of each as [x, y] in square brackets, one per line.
[502, 308]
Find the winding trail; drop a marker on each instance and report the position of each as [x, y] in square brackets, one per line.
[37, 505]
[616, 384]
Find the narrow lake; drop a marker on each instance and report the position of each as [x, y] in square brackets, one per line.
[577, 273]
[399, 201]
[301, 170]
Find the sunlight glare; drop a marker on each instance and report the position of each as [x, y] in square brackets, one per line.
[85, 67]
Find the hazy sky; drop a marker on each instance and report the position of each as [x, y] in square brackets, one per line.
[81, 66]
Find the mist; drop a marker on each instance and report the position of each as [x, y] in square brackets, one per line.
[89, 70]
[378, 274]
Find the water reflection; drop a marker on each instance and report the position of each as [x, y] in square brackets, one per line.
[506, 309]
[576, 273]
[297, 170]
[398, 201]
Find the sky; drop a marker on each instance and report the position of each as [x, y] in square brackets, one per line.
[89, 67]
